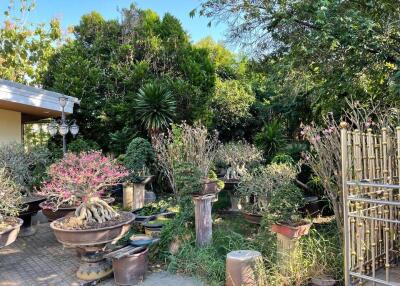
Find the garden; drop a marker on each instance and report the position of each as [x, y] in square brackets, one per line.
[276, 162]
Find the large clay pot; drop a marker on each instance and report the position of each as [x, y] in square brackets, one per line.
[291, 231]
[10, 235]
[91, 242]
[131, 269]
[252, 218]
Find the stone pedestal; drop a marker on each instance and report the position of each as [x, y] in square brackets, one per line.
[244, 267]
[202, 207]
[134, 196]
[128, 197]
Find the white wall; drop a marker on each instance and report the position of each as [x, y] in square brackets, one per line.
[10, 126]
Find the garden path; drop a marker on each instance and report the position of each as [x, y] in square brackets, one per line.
[40, 260]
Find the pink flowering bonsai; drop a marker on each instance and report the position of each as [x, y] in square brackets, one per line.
[84, 178]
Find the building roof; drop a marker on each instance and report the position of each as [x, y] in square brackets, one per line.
[34, 103]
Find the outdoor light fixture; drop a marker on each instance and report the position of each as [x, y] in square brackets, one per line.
[63, 126]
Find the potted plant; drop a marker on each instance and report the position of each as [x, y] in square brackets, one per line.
[153, 209]
[138, 160]
[237, 157]
[283, 212]
[85, 177]
[10, 203]
[257, 187]
[26, 168]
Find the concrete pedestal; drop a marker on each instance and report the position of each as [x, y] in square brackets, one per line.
[202, 207]
[245, 268]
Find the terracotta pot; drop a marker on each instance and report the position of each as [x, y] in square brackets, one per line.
[131, 269]
[291, 231]
[252, 218]
[10, 235]
[78, 237]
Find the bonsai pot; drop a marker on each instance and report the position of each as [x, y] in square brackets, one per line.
[209, 187]
[323, 281]
[9, 235]
[63, 211]
[252, 218]
[131, 269]
[31, 207]
[290, 231]
[230, 184]
[93, 265]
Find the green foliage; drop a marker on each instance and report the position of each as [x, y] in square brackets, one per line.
[158, 207]
[26, 48]
[139, 158]
[271, 139]
[109, 61]
[188, 178]
[285, 204]
[155, 107]
[82, 145]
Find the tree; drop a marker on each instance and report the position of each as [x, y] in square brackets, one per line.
[155, 107]
[328, 49]
[25, 48]
[109, 61]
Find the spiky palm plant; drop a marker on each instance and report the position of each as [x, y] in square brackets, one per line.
[155, 106]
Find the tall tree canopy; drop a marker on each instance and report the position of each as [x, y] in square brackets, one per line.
[326, 49]
[110, 60]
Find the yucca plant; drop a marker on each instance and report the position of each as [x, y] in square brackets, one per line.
[155, 106]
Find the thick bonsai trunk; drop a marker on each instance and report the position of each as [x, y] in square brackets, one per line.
[95, 210]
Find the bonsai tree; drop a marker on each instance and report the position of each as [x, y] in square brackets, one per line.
[84, 178]
[10, 199]
[25, 167]
[258, 187]
[237, 156]
[138, 159]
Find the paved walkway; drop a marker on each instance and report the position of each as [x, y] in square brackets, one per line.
[39, 260]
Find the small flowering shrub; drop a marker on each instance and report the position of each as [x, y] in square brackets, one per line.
[10, 196]
[84, 178]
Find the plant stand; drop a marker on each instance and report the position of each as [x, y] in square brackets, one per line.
[202, 207]
[93, 265]
[134, 194]
[244, 267]
[286, 247]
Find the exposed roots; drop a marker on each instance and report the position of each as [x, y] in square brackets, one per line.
[95, 210]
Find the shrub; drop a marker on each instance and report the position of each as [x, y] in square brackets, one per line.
[262, 183]
[10, 196]
[25, 168]
[238, 156]
[138, 158]
[84, 178]
[270, 139]
[82, 145]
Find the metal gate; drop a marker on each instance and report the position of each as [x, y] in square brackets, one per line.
[370, 177]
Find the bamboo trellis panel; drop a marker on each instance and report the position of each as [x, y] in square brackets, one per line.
[370, 173]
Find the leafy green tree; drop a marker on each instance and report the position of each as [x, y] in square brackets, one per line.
[155, 107]
[109, 61]
[25, 48]
[330, 50]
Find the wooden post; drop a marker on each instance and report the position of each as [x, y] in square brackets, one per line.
[202, 208]
[347, 257]
[128, 196]
[139, 193]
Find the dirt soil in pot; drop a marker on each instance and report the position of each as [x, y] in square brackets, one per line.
[8, 223]
[70, 222]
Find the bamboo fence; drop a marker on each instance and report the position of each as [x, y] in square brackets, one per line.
[370, 173]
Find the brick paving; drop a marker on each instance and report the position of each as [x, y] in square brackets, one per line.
[39, 260]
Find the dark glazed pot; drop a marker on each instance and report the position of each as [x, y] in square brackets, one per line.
[252, 218]
[10, 235]
[131, 269]
[87, 237]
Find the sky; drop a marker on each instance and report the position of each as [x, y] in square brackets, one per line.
[70, 12]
